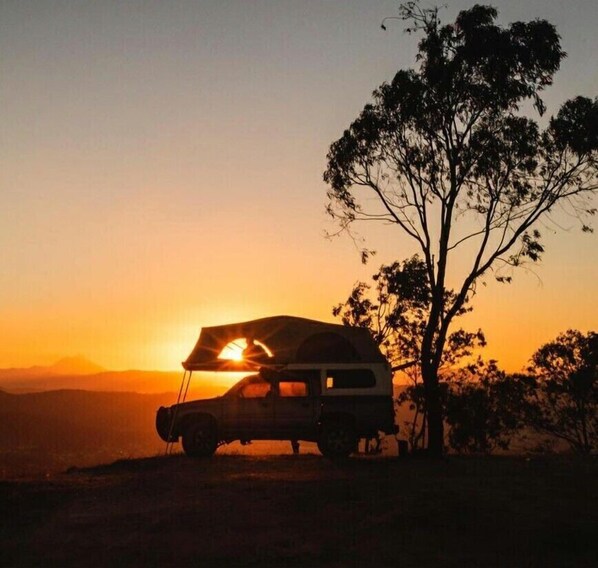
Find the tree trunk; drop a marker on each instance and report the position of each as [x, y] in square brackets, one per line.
[435, 414]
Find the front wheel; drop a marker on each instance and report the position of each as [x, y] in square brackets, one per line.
[337, 440]
[200, 440]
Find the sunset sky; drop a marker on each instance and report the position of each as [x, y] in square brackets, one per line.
[161, 170]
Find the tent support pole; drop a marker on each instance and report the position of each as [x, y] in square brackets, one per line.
[187, 387]
[178, 400]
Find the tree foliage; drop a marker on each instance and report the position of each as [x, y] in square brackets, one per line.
[564, 400]
[451, 159]
[484, 408]
[395, 309]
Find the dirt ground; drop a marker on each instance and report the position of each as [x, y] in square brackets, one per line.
[240, 510]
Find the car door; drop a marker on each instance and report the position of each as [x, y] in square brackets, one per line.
[249, 413]
[295, 405]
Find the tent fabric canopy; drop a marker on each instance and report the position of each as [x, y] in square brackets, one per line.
[289, 339]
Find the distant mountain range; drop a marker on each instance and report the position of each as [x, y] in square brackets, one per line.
[50, 431]
[66, 366]
[79, 373]
[78, 413]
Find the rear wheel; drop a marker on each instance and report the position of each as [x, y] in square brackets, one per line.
[199, 439]
[337, 439]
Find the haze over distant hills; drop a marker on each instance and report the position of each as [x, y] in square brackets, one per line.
[76, 412]
[81, 374]
[77, 365]
[49, 431]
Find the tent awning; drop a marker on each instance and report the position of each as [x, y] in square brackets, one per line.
[289, 339]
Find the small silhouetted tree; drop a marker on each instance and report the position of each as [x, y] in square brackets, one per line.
[564, 402]
[449, 158]
[395, 308]
[484, 408]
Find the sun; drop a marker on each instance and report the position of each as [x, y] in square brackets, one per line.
[233, 351]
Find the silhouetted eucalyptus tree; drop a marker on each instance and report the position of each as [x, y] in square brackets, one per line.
[564, 400]
[450, 160]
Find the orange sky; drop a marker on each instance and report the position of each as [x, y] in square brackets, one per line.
[160, 170]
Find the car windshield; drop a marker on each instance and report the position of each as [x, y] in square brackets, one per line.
[255, 388]
[239, 385]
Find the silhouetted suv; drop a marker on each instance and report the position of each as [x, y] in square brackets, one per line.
[315, 381]
[331, 405]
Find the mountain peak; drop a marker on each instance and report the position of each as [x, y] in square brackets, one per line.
[77, 365]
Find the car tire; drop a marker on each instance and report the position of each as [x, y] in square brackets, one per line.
[337, 439]
[199, 439]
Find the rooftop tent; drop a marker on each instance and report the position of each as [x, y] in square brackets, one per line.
[289, 339]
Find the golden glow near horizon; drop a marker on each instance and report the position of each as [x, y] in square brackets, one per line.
[161, 171]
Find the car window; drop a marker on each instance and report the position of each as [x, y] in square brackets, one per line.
[349, 379]
[292, 388]
[311, 378]
[256, 389]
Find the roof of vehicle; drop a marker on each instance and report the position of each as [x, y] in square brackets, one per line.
[289, 339]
